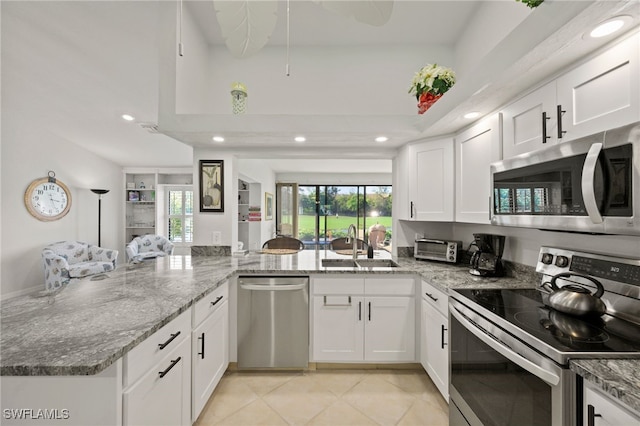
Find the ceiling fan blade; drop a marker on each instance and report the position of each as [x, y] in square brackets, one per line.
[246, 25]
[372, 12]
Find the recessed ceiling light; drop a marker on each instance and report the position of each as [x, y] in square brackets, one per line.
[473, 114]
[381, 139]
[610, 26]
[299, 139]
[218, 139]
[128, 117]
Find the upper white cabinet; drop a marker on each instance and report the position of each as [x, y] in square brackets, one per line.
[430, 177]
[476, 148]
[602, 93]
[599, 94]
[530, 122]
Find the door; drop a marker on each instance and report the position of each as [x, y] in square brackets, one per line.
[437, 349]
[390, 329]
[430, 180]
[210, 354]
[530, 122]
[476, 149]
[603, 93]
[338, 328]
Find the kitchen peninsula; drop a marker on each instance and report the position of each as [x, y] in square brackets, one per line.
[91, 325]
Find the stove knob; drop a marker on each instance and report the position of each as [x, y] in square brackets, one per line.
[547, 258]
[562, 261]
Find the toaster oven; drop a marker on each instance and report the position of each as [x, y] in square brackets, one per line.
[444, 251]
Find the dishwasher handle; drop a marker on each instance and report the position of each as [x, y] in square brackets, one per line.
[258, 287]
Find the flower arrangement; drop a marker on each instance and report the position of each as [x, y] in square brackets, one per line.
[430, 83]
[532, 3]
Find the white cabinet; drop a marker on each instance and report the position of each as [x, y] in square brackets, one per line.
[600, 94]
[434, 338]
[530, 122]
[603, 93]
[371, 319]
[430, 175]
[476, 148]
[602, 410]
[157, 377]
[210, 346]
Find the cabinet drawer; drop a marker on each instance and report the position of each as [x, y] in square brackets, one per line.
[148, 353]
[390, 286]
[436, 298]
[210, 303]
[338, 285]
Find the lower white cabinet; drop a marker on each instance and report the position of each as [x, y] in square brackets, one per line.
[162, 395]
[434, 350]
[602, 410]
[376, 322]
[210, 347]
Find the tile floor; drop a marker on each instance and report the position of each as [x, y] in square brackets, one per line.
[326, 397]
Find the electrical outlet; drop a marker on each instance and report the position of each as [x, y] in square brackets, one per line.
[216, 237]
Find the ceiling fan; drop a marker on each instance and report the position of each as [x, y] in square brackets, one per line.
[247, 25]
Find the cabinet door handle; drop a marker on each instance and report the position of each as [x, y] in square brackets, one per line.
[544, 127]
[337, 304]
[560, 113]
[442, 330]
[359, 311]
[369, 311]
[591, 415]
[432, 297]
[411, 207]
[164, 345]
[202, 350]
[173, 364]
[215, 302]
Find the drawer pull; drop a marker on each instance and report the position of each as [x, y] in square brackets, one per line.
[336, 304]
[215, 302]
[432, 297]
[173, 364]
[164, 345]
[369, 311]
[442, 330]
[201, 353]
[591, 415]
[359, 311]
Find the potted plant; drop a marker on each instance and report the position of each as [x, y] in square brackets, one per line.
[430, 83]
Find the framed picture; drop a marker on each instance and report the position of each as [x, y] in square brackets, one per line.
[211, 186]
[268, 206]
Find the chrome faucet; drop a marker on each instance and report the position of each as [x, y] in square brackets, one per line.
[354, 243]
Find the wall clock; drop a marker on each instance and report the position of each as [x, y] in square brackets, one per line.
[48, 198]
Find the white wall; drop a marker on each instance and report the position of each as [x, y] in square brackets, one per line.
[259, 172]
[204, 224]
[28, 153]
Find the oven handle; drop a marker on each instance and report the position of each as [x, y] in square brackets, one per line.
[543, 374]
[588, 177]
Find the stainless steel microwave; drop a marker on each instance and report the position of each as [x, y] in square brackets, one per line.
[444, 251]
[591, 185]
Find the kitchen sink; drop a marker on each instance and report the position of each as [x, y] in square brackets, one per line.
[339, 263]
[376, 263]
[361, 263]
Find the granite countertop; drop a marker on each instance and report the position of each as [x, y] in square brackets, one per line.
[92, 322]
[619, 378]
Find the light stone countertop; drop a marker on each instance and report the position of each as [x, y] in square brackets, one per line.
[91, 323]
[619, 378]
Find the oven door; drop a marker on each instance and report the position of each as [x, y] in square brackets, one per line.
[499, 380]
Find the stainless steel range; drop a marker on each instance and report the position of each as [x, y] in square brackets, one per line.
[510, 350]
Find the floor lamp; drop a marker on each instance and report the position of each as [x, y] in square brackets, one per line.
[100, 192]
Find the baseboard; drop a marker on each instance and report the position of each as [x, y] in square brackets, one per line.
[315, 366]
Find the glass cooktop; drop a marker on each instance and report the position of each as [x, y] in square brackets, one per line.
[525, 311]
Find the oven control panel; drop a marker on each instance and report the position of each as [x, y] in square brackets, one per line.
[553, 261]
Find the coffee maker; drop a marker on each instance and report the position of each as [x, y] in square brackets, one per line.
[486, 260]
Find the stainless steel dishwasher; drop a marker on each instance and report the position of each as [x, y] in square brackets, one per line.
[273, 322]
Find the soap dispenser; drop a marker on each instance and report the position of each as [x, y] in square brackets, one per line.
[370, 252]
